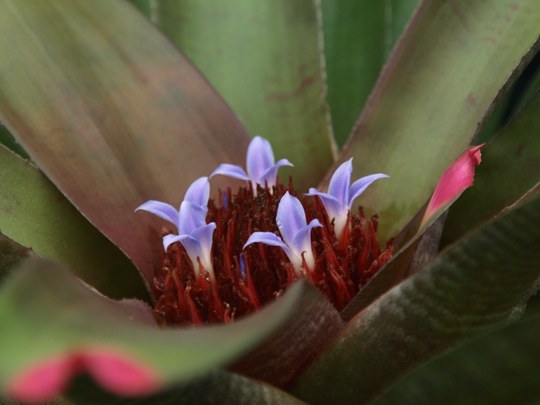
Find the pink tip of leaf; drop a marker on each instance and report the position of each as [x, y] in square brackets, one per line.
[43, 381]
[454, 181]
[119, 374]
[114, 372]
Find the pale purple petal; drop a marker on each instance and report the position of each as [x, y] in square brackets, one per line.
[360, 185]
[270, 175]
[268, 238]
[260, 158]
[170, 239]
[340, 182]
[331, 204]
[204, 236]
[290, 217]
[302, 240]
[160, 209]
[199, 192]
[191, 217]
[234, 171]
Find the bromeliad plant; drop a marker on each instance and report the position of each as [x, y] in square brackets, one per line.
[262, 292]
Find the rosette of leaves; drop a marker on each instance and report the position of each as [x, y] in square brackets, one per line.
[110, 112]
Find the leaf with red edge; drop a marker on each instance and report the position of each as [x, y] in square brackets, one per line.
[471, 287]
[295, 344]
[432, 94]
[114, 341]
[114, 115]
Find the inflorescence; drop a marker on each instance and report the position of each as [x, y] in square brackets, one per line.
[231, 257]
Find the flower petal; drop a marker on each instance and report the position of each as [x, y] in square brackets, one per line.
[191, 217]
[270, 175]
[331, 204]
[360, 185]
[235, 171]
[160, 209]
[290, 217]
[340, 182]
[204, 236]
[168, 240]
[260, 158]
[268, 238]
[199, 192]
[302, 240]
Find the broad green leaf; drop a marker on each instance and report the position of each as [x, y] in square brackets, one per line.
[218, 387]
[468, 289]
[498, 368]
[358, 36]
[264, 58]
[439, 83]
[84, 320]
[111, 112]
[510, 168]
[35, 214]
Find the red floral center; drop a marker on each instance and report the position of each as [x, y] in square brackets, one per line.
[247, 279]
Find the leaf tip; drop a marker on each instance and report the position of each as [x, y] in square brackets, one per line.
[454, 181]
[115, 372]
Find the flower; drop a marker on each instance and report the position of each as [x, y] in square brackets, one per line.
[341, 194]
[190, 220]
[260, 163]
[295, 233]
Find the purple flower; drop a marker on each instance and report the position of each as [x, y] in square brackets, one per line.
[261, 166]
[190, 220]
[295, 232]
[341, 194]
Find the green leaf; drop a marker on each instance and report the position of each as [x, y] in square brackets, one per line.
[440, 82]
[264, 58]
[469, 288]
[358, 35]
[217, 387]
[498, 368]
[84, 320]
[510, 168]
[111, 113]
[36, 215]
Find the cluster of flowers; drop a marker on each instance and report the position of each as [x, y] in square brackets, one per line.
[222, 280]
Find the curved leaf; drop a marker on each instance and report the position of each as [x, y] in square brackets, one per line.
[498, 368]
[218, 387]
[509, 169]
[114, 115]
[35, 214]
[264, 57]
[432, 94]
[469, 288]
[358, 36]
[86, 323]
